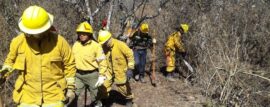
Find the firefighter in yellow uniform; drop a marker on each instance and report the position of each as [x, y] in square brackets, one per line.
[44, 62]
[174, 43]
[90, 63]
[121, 61]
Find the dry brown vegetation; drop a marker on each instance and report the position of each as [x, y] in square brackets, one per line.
[228, 43]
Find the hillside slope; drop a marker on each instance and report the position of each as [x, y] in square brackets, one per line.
[228, 46]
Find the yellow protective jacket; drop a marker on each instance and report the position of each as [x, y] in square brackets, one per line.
[89, 56]
[120, 58]
[174, 42]
[46, 68]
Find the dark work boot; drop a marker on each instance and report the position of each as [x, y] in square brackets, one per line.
[169, 77]
[129, 103]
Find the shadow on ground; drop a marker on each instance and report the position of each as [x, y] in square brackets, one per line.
[115, 98]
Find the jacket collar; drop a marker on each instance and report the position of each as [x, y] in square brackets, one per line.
[35, 44]
[87, 43]
[112, 42]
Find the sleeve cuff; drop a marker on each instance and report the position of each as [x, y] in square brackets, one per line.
[70, 83]
[130, 65]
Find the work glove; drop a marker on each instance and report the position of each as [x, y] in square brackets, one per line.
[6, 68]
[6, 71]
[70, 96]
[100, 81]
[129, 74]
[154, 41]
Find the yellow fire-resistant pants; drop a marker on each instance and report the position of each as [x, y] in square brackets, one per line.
[57, 104]
[124, 89]
[170, 60]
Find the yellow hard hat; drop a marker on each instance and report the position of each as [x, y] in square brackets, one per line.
[144, 28]
[185, 27]
[35, 20]
[84, 27]
[103, 36]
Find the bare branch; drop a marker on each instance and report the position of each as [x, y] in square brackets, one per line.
[95, 12]
[131, 14]
[89, 11]
[109, 16]
[122, 7]
[128, 14]
[71, 1]
[162, 5]
[262, 77]
[143, 8]
[137, 7]
[101, 3]
[133, 5]
[99, 6]
[134, 9]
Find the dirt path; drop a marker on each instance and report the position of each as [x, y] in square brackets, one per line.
[166, 94]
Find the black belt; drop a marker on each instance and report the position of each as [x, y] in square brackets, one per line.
[86, 71]
[140, 47]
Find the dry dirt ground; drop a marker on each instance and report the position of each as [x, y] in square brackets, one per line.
[165, 94]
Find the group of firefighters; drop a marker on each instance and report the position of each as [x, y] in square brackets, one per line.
[52, 74]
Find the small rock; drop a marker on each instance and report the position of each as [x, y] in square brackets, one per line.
[190, 98]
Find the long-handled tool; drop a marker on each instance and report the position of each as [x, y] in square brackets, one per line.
[153, 76]
[2, 80]
[2, 76]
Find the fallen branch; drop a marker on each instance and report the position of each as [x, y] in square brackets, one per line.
[262, 77]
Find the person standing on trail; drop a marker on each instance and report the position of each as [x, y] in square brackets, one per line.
[90, 63]
[140, 42]
[174, 43]
[120, 60]
[44, 62]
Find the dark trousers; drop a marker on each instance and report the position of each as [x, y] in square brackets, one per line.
[140, 60]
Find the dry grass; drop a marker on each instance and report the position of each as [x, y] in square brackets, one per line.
[228, 43]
